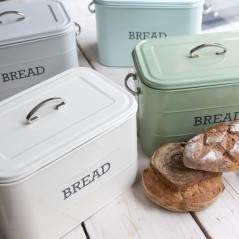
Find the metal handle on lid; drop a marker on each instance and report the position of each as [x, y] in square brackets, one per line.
[79, 28]
[207, 7]
[126, 84]
[90, 7]
[208, 45]
[31, 117]
[21, 16]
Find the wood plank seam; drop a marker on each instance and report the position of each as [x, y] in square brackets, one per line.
[200, 225]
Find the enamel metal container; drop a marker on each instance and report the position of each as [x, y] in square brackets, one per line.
[184, 85]
[37, 42]
[79, 155]
[122, 24]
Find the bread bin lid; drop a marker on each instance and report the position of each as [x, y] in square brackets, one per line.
[166, 63]
[93, 106]
[153, 3]
[30, 21]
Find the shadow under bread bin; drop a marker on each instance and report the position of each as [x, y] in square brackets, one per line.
[38, 41]
[79, 155]
[121, 24]
[184, 85]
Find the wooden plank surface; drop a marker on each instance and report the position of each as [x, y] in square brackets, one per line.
[221, 220]
[76, 233]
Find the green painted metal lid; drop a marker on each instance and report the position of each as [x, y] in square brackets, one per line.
[152, 3]
[166, 64]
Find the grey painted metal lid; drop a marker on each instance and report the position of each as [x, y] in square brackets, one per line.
[25, 22]
[153, 3]
[166, 63]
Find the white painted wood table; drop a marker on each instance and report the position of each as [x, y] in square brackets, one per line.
[132, 215]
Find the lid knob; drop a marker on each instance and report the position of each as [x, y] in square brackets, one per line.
[21, 16]
[31, 118]
[207, 45]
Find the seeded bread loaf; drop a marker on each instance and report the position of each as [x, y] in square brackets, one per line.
[215, 150]
[169, 184]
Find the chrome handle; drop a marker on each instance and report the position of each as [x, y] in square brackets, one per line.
[126, 84]
[31, 117]
[207, 45]
[90, 7]
[20, 18]
[207, 7]
[79, 28]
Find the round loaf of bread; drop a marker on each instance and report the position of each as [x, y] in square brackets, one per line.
[215, 150]
[171, 185]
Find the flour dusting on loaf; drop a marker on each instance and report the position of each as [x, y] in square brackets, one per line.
[235, 150]
[218, 138]
[213, 156]
[194, 146]
[215, 150]
[234, 128]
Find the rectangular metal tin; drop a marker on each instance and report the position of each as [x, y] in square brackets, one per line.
[44, 47]
[121, 25]
[176, 106]
[67, 165]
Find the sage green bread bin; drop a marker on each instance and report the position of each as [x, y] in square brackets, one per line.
[184, 85]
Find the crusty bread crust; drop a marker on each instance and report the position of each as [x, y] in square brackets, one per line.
[169, 184]
[168, 165]
[194, 198]
[215, 150]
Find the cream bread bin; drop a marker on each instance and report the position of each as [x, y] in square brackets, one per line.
[79, 155]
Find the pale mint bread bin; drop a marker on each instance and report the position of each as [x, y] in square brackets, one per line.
[37, 41]
[68, 147]
[122, 24]
[184, 85]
